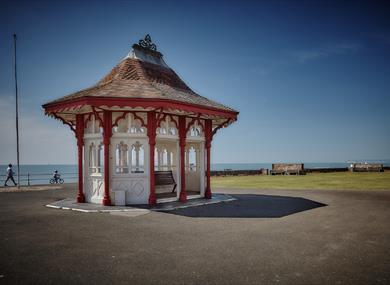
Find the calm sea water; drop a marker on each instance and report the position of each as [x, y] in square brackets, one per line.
[41, 174]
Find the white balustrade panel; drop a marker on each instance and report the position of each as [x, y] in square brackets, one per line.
[94, 192]
[136, 189]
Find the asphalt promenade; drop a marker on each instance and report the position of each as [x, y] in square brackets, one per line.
[263, 237]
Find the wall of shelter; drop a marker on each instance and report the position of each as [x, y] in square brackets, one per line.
[129, 155]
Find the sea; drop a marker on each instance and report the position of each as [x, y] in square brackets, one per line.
[34, 174]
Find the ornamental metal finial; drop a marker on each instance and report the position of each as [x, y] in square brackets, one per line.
[147, 43]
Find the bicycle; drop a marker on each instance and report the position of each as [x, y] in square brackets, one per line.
[59, 181]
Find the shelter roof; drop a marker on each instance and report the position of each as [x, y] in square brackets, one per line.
[143, 75]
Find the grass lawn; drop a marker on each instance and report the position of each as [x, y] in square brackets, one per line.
[341, 180]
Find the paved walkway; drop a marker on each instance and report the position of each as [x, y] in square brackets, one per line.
[287, 237]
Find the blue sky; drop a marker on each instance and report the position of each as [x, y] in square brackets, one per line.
[311, 79]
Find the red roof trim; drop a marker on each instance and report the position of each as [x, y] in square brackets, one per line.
[139, 102]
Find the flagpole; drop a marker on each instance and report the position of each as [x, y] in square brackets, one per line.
[17, 115]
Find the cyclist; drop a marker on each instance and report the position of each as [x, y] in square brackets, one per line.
[56, 176]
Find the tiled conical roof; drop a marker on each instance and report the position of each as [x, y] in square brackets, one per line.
[143, 74]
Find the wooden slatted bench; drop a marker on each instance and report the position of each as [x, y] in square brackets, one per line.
[287, 169]
[163, 178]
[367, 167]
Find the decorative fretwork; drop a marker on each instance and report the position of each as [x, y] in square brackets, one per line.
[222, 125]
[191, 158]
[137, 158]
[92, 158]
[129, 123]
[146, 43]
[195, 127]
[163, 158]
[146, 46]
[65, 122]
[167, 125]
[96, 158]
[93, 125]
[121, 158]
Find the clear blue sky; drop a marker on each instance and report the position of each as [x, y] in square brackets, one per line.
[311, 79]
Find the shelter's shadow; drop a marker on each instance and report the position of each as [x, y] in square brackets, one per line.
[251, 206]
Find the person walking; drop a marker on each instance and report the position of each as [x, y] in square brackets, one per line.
[10, 175]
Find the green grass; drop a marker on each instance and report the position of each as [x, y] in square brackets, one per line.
[341, 180]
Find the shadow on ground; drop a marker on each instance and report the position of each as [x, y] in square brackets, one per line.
[251, 206]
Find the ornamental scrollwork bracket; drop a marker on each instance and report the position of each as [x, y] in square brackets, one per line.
[147, 43]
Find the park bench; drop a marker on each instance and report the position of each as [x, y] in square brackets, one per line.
[164, 178]
[287, 169]
[366, 167]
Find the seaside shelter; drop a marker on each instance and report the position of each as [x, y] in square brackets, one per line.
[143, 136]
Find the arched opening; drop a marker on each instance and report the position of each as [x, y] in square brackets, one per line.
[100, 164]
[193, 167]
[166, 168]
[137, 158]
[121, 158]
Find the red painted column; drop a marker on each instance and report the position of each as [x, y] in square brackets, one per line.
[107, 133]
[208, 136]
[80, 144]
[182, 144]
[152, 144]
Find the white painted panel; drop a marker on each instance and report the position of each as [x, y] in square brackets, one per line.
[94, 190]
[136, 189]
[134, 185]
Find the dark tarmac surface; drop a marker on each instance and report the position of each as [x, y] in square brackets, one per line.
[294, 237]
[251, 206]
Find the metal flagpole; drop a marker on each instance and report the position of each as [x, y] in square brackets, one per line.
[17, 115]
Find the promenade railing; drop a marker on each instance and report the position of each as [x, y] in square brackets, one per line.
[27, 179]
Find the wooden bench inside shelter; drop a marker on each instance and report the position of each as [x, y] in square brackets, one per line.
[164, 178]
